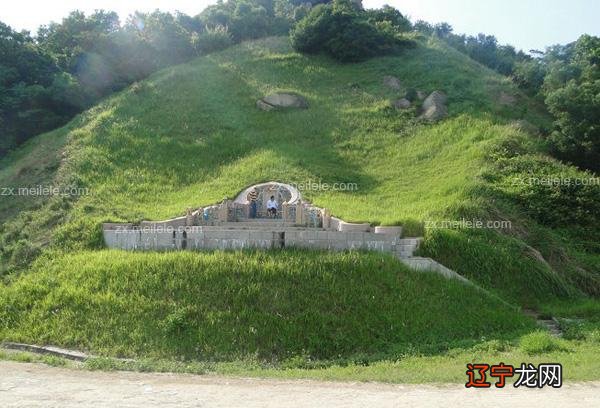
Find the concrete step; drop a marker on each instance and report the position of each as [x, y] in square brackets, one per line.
[259, 221]
[401, 244]
[263, 228]
[257, 224]
[411, 241]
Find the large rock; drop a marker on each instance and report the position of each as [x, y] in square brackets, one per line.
[282, 100]
[262, 105]
[392, 82]
[434, 107]
[401, 103]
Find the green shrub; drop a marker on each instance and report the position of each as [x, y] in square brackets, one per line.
[101, 364]
[593, 336]
[540, 342]
[24, 252]
[212, 39]
[345, 33]
[54, 361]
[492, 346]
[555, 194]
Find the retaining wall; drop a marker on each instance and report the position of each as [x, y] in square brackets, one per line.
[215, 238]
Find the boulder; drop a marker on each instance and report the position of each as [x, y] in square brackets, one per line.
[282, 100]
[434, 107]
[401, 103]
[392, 82]
[421, 95]
[260, 104]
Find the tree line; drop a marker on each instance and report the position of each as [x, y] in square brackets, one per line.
[45, 79]
[68, 66]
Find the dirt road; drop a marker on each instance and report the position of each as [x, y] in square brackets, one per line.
[36, 385]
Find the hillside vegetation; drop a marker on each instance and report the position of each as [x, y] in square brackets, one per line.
[234, 305]
[191, 135]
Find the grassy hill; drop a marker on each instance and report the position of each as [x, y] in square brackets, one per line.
[191, 135]
[230, 305]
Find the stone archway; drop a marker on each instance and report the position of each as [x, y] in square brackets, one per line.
[283, 193]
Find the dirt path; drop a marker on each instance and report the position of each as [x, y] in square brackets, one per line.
[36, 385]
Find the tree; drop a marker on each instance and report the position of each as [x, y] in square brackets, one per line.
[529, 74]
[572, 92]
[28, 77]
[249, 19]
[391, 15]
[443, 30]
[344, 31]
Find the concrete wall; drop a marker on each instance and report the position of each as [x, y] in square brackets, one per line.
[217, 238]
[428, 264]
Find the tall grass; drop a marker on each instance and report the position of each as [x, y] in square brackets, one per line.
[271, 305]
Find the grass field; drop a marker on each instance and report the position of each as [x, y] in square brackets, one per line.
[225, 305]
[191, 135]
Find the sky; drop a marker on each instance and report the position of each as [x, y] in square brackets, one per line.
[526, 24]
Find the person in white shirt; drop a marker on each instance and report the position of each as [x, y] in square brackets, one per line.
[272, 207]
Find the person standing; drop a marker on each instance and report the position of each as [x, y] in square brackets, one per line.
[252, 197]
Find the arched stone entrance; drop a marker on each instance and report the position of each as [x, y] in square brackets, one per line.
[286, 196]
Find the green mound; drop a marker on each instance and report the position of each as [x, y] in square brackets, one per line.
[192, 134]
[223, 305]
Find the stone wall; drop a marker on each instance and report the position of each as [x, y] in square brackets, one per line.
[218, 238]
[227, 226]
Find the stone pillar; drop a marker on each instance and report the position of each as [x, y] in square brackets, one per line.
[189, 217]
[223, 211]
[285, 211]
[299, 213]
[326, 217]
[200, 216]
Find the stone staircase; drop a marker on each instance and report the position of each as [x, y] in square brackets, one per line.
[402, 248]
[273, 224]
[406, 247]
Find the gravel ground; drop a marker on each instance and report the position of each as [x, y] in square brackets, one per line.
[38, 385]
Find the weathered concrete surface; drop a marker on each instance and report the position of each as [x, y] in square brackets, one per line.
[428, 264]
[34, 385]
[252, 237]
[50, 350]
[391, 230]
